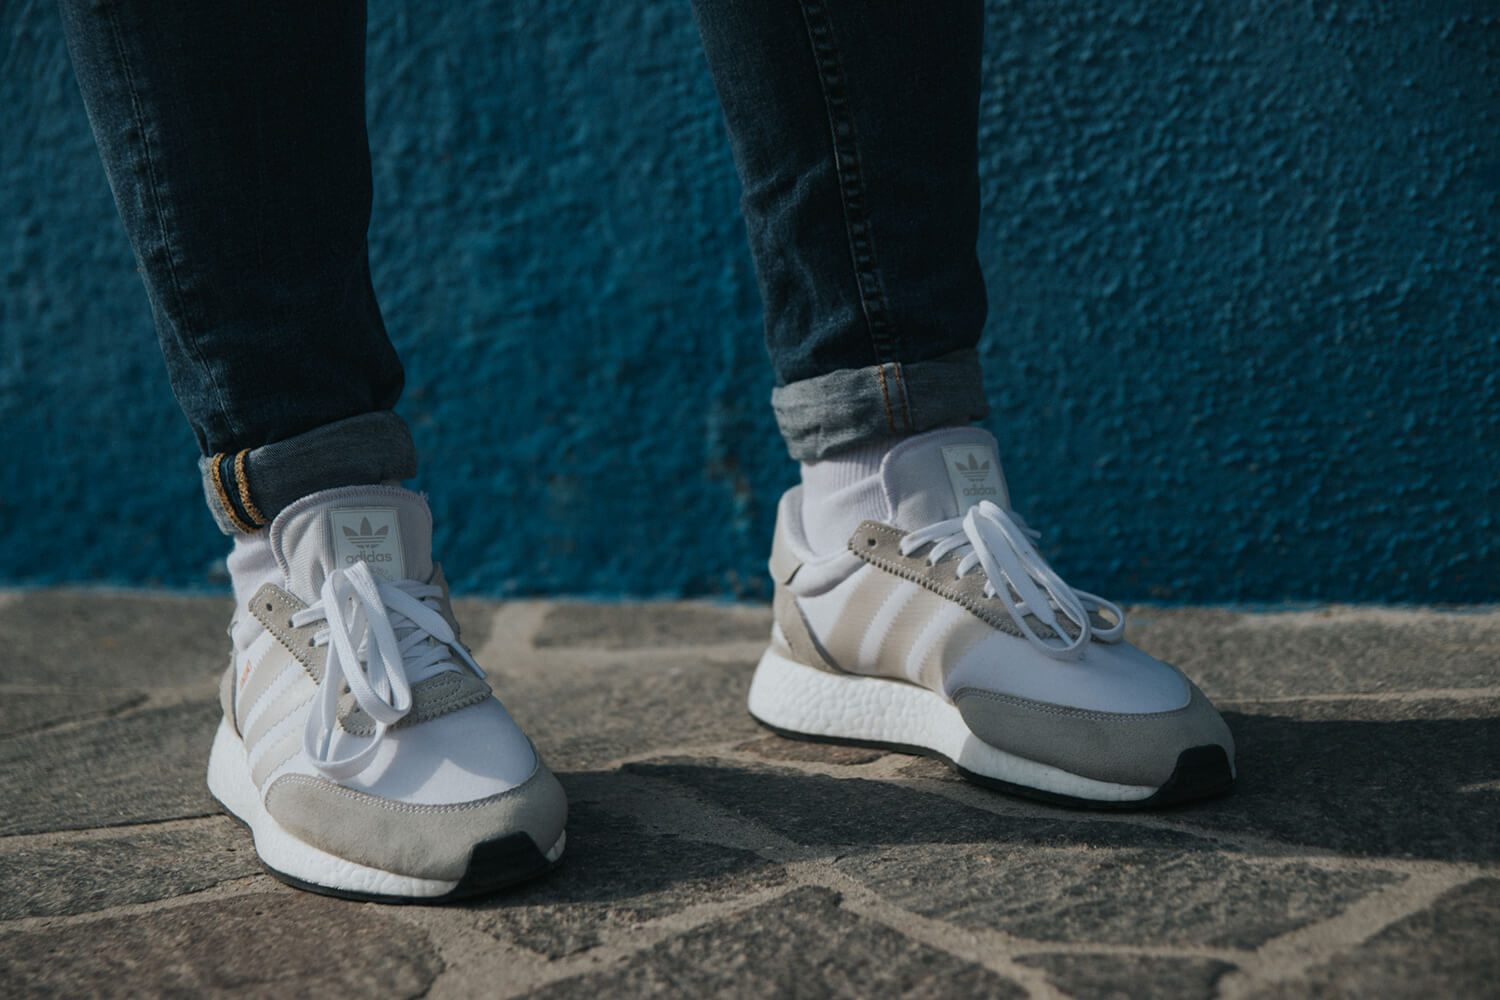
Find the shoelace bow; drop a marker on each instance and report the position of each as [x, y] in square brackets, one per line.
[381, 637]
[1000, 542]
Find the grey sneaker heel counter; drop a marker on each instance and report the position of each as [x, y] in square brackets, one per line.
[793, 637]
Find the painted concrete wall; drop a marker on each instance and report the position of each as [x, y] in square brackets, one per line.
[1242, 261]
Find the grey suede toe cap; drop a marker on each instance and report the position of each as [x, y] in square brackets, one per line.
[422, 841]
[1118, 747]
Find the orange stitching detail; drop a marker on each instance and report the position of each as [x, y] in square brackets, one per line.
[244, 483]
[213, 474]
[889, 416]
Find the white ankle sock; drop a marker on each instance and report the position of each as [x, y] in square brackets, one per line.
[251, 565]
[839, 492]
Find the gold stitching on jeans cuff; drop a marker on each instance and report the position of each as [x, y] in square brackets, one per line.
[885, 394]
[244, 484]
[213, 473]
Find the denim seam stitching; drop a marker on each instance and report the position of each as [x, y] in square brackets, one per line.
[160, 217]
[833, 83]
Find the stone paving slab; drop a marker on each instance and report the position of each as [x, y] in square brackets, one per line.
[29, 712]
[1100, 977]
[633, 876]
[1360, 855]
[1449, 949]
[50, 876]
[265, 944]
[137, 768]
[802, 945]
[1325, 651]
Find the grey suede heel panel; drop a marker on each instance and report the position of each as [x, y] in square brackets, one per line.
[1123, 748]
[422, 841]
[799, 638]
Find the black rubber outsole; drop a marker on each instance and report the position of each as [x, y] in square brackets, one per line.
[1200, 773]
[493, 865]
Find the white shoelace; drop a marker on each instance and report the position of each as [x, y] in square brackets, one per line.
[382, 638]
[1000, 542]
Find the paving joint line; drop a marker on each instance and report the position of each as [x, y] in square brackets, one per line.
[992, 950]
[230, 888]
[105, 831]
[1290, 956]
[618, 946]
[73, 722]
[83, 835]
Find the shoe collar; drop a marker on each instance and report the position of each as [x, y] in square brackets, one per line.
[386, 527]
[941, 474]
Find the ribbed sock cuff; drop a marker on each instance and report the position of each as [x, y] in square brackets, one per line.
[841, 491]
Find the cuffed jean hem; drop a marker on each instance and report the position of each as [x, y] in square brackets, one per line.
[247, 489]
[855, 406]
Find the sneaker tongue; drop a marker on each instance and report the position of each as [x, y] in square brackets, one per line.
[941, 475]
[386, 527]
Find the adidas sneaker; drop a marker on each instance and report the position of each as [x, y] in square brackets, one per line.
[360, 742]
[939, 628]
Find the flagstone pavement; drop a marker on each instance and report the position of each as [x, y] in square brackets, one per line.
[1359, 855]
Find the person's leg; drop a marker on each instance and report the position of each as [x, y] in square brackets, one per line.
[234, 140]
[854, 130]
[359, 741]
[911, 608]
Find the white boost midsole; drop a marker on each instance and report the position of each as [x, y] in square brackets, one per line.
[789, 695]
[229, 781]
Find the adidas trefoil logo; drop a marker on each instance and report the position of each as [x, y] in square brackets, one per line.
[367, 540]
[975, 472]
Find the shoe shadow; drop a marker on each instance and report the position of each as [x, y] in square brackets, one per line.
[1410, 788]
[1395, 789]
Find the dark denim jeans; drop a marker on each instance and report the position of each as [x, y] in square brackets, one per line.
[234, 140]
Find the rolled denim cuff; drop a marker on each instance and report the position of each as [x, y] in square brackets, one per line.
[830, 413]
[247, 489]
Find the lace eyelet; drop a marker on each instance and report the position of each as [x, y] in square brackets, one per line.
[270, 607]
[870, 542]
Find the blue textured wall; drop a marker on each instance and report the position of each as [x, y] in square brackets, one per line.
[1242, 261]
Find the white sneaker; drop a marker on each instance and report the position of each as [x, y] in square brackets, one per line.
[941, 629]
[360, 742]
